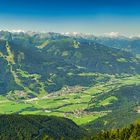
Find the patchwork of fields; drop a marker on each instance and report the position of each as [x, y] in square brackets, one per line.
[83, 106]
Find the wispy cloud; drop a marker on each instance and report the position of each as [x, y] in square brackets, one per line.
[112, 34]
[17, 31]
[14, 31]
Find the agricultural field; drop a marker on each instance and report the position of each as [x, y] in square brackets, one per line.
[83, 106]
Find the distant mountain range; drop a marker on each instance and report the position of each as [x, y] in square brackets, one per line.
[131, 43]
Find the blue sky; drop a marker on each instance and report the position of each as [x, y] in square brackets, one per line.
[89, 16]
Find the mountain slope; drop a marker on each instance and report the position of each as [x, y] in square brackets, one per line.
[131, 132]
[41, 63]
[123, 106]
[93, 57]
[38, 127]
[124, 43]
[55, 128]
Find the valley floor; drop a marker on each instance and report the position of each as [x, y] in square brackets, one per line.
[84, 105]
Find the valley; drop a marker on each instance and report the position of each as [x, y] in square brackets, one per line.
[49, 74]
[78, 103]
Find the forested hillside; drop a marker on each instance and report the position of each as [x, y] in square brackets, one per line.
[35, 127]
[129, 133]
